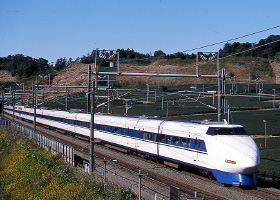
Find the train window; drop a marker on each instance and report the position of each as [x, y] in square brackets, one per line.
[117, 130]
[149, 136]
[183, 142]
[168, 139]
[189, 143]
[162, 138]
[155, 137]
[226, 131]
[195, 143]
[198, 146]
[87, 125]
[202, 146]
[144, 135]
[176, 140]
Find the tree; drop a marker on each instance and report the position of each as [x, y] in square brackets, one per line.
[159, 53]
[23, 66]
[61, 63]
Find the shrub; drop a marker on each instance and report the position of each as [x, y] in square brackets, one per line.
[29, 172]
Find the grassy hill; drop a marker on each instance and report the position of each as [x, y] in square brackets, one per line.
[242, 68]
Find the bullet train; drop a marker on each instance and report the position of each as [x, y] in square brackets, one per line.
[224, 150]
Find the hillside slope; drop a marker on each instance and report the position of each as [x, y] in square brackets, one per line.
[240, 69]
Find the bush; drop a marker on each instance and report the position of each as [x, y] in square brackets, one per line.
[29, 172]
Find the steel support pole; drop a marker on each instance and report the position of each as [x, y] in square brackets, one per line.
[3, 98]
[91, 163]
[197, 64]
[223, 90]
[108, 99]
[95, 66]
[118, 63]
[104, 173]
[219, 90]
[273, 99]
[140, 184]
[13, 103]
[148, 91]
[264, 133]
[35, 106]
[66, 100]
[88, 92]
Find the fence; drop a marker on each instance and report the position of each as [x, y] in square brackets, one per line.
[50, 144]
[4, 123]
[67, 152]
[269, 179]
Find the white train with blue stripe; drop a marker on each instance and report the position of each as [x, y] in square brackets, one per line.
[225, 150]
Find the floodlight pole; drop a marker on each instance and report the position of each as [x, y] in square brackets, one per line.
[140, 174]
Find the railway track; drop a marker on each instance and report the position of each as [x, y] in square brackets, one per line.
[158, 174]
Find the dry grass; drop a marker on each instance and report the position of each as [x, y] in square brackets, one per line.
[6, 76]
[72, 74]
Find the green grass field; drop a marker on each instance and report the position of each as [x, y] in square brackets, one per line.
[270, 156]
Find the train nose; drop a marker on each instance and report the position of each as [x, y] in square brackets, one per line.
[248, 165]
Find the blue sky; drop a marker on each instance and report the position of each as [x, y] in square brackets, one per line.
[53, 29]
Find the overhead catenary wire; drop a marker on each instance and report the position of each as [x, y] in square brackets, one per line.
[214, 60]
[250, 34]
[221, 58]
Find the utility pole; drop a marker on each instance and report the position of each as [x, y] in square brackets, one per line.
[91, 163]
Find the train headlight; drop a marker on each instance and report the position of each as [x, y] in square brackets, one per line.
[230, 161]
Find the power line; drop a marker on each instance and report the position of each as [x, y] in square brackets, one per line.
[214, 60]
[209, 45]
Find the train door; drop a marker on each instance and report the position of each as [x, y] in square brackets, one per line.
[197, 145]
[136, 141]
[160, 129]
